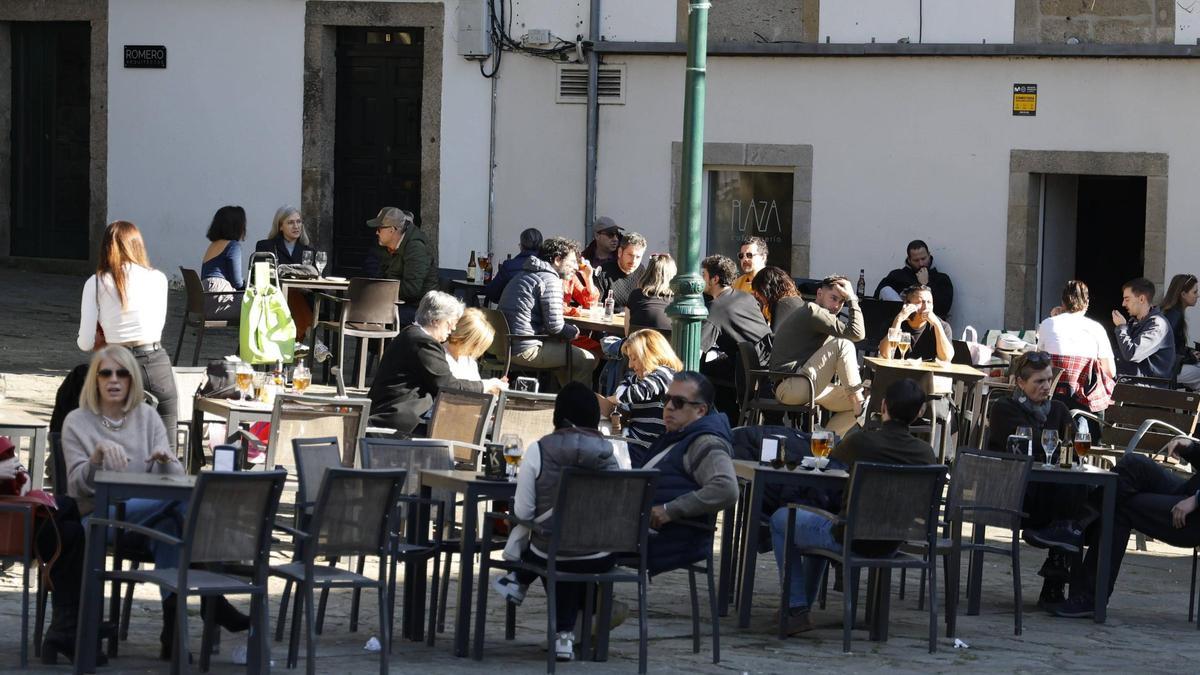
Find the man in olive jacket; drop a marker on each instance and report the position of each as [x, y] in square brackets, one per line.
[404, 253]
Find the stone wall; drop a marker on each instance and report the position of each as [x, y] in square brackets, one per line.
[1110, 22]
[747, 20]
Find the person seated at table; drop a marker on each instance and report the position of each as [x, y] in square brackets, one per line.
[468, 342]
[603, 247]
[816, 341]
[622, 275]
[696, 481]
[891, 443]
[113, 429]
[1081, 348]
[221, 268]
[580, 295]
[289, 242]
[776, 294]
[1151, 499]
[929, 333]
[1145, 345]
[575, 442]
[751, 258]
[1182, 293]
[414, 368]
[533, 305]
[733, 317]
[530, 242]
[647, 305]
[918, 270]
[404, 253]
[1053, 510]
[652, 365]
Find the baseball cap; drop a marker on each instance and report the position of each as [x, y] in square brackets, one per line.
[390, 216]
[606, 224]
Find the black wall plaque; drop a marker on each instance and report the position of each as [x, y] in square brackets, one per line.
[145, 56]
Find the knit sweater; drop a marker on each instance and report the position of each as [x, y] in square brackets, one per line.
[141, 434]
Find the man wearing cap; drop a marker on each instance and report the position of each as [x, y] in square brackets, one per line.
[604, 246]
[624, 274]
[404, 253]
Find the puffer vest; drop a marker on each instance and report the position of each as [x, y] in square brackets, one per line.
[563, 449]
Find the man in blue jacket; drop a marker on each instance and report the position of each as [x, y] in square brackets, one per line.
[531, 241]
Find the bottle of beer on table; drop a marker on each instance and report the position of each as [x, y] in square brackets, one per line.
[861, 287]
[471, 268]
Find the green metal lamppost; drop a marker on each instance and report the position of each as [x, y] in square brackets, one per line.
[687, 312]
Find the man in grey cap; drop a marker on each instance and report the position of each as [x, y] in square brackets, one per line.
[607, 235]
[404, 253]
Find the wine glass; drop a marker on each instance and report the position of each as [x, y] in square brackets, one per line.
[1049, 443]
[245, 377]
[893, 338]
[321, 259]
[512, 454]
[306, 258]
[820, 445]
[904, 343]
[1082, 445]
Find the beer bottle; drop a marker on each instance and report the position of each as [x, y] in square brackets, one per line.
[471, 268]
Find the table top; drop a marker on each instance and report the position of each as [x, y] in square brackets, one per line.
[320, 283]
[615, 326]
[459, 481]
[464, 283]
[145, 479]
[748, 469]
[954, 370]
[1091, 475]
[11, 416]
[223, 406]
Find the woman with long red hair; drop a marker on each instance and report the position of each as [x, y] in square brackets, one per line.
[125, 303]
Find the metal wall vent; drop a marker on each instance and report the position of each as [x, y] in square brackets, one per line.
[573, 79]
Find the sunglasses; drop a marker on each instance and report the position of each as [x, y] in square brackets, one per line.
[743, 256]
[106, 373]
[678, 401]
[1039, 359]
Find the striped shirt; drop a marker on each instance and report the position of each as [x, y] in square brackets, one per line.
[640, 401]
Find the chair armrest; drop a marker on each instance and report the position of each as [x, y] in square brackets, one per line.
[326, 296]
[993, 509]
[513, 520]
[774, 374]
[290, 530]
[1145, 427]
[133, 527]
[820, 512]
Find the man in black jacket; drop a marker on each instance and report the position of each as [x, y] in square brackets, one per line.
[733, 317]
[623, 274]
[414, 367]
[918, 270]
[1145, 343]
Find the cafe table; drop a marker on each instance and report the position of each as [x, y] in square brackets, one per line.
[467, 290]
[758, 477]
[598, 324]
[112, 487]
[16, 424]
[889, 370]
[333, 285]
[233, 411]
[474, 490]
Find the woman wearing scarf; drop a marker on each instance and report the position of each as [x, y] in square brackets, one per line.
[1053, 510]
[696, 479]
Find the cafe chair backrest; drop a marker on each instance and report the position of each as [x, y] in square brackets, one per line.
[352, 511]
[412, 455]
[372, 301]
[460, 415]
[527, 415]
[314, 456]
[623, 497]
[987, 479]
[230, 515]
[889, 502]
[310, 416]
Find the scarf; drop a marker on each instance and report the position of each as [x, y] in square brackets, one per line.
[714, 422]
[1039, 411]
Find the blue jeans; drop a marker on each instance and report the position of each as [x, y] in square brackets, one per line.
[812, 531]
[165, 517]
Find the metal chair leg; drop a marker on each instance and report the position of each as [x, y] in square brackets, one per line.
[695, 598]
[199, 341]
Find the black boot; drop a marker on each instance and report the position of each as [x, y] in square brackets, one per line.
[1052, 596]
[60, 635]
[228, 616]
[166, 638]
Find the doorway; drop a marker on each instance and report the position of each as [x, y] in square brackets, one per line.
[1093, 229]
[51, 111]
[377, 138]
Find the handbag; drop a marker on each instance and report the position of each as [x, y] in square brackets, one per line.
[294, 271]
[99, 342]
[267, 333]
[12, 523]
[980, 353]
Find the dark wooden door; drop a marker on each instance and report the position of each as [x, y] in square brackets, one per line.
[50, 128]
[377, 146]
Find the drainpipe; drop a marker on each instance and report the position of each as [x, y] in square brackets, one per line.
[687, 311]
[593, 121]
[491, 214]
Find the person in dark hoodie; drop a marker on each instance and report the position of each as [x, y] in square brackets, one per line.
[694, 459]
[918, 270]
[531, 241]
[575, 442]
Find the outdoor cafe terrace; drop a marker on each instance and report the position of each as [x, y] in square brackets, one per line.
[1147, 625]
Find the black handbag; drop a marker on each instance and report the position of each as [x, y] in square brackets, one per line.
[220, 380]
[297, 272]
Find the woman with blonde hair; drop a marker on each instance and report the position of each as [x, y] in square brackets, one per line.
[469, 340]
[125, 303]
[288, 240]
[653, 365]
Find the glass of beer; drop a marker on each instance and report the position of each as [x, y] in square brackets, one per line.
[893, 337]
[821, 444]
[512, 454]
[1082, 445]
[245, 378]
[301, 378]
[903, 345]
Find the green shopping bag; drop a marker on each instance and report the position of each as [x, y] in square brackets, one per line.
[267, 333]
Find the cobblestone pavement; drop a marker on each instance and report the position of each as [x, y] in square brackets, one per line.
[1147, 628]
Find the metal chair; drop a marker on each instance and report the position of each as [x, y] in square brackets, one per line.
[228, 521]
[307, 416]
[187, 383]
[368, 312]
[20, 515]
[624, 497]
[527, 415]
[885, 503]
[195, 314]
[352, 517]
[500, 351]
[757, 386]
[462, 418]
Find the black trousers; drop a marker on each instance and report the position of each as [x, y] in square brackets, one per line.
[159, 380]
[569, 596]
[1146, 493]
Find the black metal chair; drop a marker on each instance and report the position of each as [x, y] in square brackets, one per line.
[705, 567]
[352, 517]
[757, 387]
[500, 352]
[368, 312]
[885, 503]
[228, 521]
[196, 315]
[624, 497]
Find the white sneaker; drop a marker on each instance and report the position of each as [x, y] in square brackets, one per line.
[564, 646]
[510, 588]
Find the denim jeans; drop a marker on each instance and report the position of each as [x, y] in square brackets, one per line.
[165, 517]
[812, 531]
